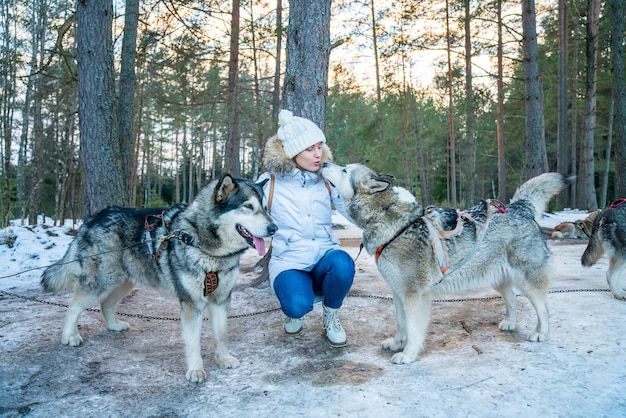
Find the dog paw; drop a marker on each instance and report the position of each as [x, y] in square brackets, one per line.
[196, 376]
[392, 345]
[538, 337]
[119, 326]
[403, 358]
[506, 326]
[228, 362]
[72, 340]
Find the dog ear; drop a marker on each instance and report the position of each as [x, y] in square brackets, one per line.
[224, 187]
[262, 183]
[380, 182]
[385, 177]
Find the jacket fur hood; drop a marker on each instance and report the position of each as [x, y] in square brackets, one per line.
[276, 162]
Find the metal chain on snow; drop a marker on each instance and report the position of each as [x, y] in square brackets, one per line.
[128, 315]
[266, 311]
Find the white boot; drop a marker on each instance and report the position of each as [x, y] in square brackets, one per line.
[335, 334]
[293, 326]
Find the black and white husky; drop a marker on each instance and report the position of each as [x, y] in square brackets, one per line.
[608, 234]
[190, 252]
[425, 252]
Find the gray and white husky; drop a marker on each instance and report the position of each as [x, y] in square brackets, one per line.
[608, 234]
[190, 252]
[425, 252]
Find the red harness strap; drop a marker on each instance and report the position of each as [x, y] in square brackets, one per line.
[500, 207]
[618, 202]
[380, 249]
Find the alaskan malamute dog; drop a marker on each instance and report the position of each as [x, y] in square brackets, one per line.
[425, 252]
[609, 235]
[191, 252]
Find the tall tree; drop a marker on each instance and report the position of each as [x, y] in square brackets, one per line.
[587, 198]
[277, 62]
[26, 108]
[563, 150]
[379, 115]
[308, 49]
[469, 170]
[8, 77]
[451, 143]
[421, 164]
[607, 160]
[574, 133]
[38, 140]
[126, 99]
[96, 105]
[535, 158]
[619, 94]
[233, 142]
[500, 111]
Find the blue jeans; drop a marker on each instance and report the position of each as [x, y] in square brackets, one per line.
[332, 277]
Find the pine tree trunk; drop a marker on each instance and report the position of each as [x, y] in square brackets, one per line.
[96, 105]
[563, 151]
[451, 141]
[470, 147]
[586, 182]
[500, 114]
[38, 140]
[126, 108]
[308, 49]
[607, 160]
[535, 160]
[379, 121]
[8, 79]
[233, 142]
[619, 94]
[277, 63]
[574, 133]
[421, 163]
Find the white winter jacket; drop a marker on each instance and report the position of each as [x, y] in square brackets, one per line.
[301, 208]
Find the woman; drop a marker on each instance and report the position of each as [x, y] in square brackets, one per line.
[306, 264]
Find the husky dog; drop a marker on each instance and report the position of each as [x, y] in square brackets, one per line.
[425, 252]
[191, 252]
[580, 229]
[609, 235]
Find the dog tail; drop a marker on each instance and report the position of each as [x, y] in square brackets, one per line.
[59, 276]
[539, 190]
[557, 235]
[594, 250]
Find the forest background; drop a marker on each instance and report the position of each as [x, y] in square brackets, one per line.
[458, 100]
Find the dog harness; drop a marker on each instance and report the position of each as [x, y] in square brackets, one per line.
[437, 237]
[151, 223]
[618, 202]
[380, 249]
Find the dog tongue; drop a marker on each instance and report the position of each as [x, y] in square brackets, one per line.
[259, 244]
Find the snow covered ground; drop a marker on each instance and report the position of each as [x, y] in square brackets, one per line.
[468, 368]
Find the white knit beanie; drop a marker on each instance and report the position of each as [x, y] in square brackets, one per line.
[297, 134]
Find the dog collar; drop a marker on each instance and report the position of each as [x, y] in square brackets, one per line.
[380, 249]
[211, 281]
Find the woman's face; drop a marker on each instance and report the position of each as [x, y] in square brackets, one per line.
[310, 159]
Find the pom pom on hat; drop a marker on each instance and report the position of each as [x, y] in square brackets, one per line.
[297, 134]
